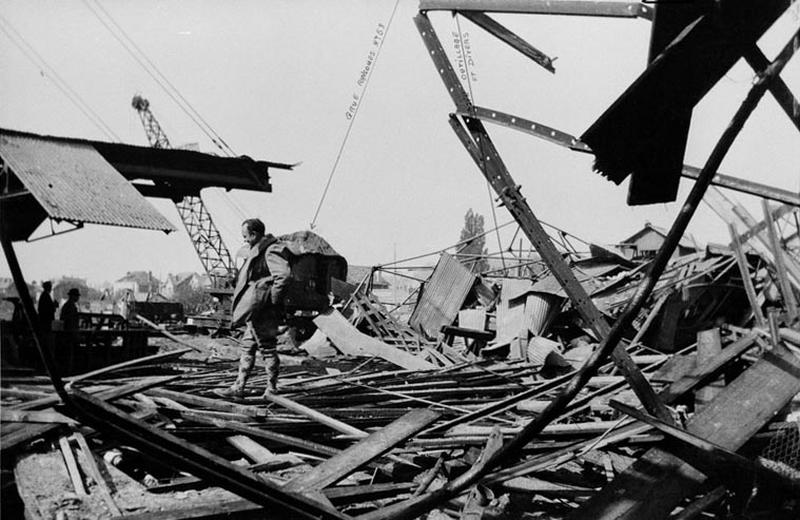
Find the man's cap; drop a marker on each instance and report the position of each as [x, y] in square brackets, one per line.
[74, 291]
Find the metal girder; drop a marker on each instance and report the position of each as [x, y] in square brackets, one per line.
[480, 147]
[529, 127]
[749, 187]
[437, 54]
[560, 138]
[508, 37]
[482, 150]
[563, 7]
[207, 241]
[205, 237]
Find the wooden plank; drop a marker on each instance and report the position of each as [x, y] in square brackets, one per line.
[546, 488]
[709, 345]
[731, 213]
[196, 460]
[19, 438]
[378, 443]
[205, 402]
[133, 388]
[321, 418]
[163, 356]
[233, 508]
[699, 373]
[72, 466]
[28, 416]
[778, 254]
[711, 458]
[352, 342]
[258, 433]
[744, 270]
[253, 450]
[659, 481]
[165, 333]
[93, 471]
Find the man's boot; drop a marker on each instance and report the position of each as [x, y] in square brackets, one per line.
[272, 363]
[236, 390]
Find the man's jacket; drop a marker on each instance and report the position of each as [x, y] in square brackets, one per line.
[262, 279]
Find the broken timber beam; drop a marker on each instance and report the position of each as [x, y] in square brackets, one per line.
[658, 481]
[789, 300]
[712, 458]
[197, 461]
[747, 281]
[362, 452]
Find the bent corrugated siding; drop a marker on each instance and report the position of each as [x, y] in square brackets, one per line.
[73, 182]
[442, 296]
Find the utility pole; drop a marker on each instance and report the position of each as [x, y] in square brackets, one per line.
[205, 236]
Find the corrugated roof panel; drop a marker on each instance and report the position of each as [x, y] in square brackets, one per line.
[442, 296]
[73, 182]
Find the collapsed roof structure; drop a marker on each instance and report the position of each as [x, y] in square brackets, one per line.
[369, 443]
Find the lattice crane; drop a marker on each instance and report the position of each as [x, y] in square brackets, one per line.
[205, 236]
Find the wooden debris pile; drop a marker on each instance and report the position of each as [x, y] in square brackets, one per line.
[461, 413]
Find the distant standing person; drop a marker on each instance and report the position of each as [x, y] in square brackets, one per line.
[46, 307]
[258, 304]
[69, 312]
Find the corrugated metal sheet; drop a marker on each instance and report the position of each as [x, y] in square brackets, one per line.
[442, 296]
[73, 182]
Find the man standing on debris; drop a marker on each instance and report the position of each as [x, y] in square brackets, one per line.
[258, 304]
[46, 308]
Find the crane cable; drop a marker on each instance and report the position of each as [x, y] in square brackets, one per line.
[353, 119]
[47, 71]
[153, 71]
[173, 92]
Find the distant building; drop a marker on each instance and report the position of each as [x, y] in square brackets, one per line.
[175, 283]
[644, 244]
[141, 285]
[7, 286]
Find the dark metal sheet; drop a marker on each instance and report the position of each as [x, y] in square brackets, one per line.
[72, 182]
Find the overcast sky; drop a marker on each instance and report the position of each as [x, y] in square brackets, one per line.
[275, 79]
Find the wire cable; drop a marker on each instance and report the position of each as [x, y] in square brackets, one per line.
[355, 114]
[480, 143]
[47, 71]
[167, 81]
[129, 45]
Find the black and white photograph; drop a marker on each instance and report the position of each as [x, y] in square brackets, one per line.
[400, 259]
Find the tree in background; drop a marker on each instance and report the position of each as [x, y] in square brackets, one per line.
[61, 287]
[472, 253]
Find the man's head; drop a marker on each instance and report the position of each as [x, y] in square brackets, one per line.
[47, 286]
[74, 293]
[252, 231]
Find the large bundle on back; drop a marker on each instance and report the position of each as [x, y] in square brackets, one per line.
[313, 263]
